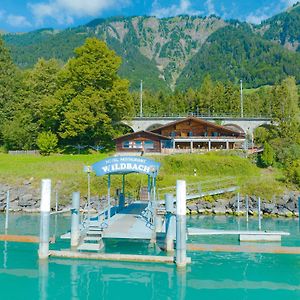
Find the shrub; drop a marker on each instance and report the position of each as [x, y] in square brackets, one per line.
[268, 157]
[47, 142]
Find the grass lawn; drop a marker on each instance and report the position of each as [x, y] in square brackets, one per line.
[66, 172]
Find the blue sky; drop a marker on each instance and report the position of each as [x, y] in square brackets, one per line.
[28, 15]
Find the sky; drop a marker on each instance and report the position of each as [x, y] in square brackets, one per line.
[29, 15]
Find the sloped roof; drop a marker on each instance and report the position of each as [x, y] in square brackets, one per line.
[143, 133]
[200, 121]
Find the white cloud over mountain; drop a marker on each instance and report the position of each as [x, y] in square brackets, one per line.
[183, 8]
[64, 11]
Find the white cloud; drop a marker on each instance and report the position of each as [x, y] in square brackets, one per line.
[264, 13]
[17, 21]
[183, 8]
[64, 11]
[210, 7]
[289, 3]
[256, 18]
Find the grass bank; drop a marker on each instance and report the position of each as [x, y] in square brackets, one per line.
[66, 172]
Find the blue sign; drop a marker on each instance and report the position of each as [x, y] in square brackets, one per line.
[125, 165]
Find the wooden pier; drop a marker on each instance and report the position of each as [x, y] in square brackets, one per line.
[114, 257]
[243, 248]
[129, 223]
[244, 235]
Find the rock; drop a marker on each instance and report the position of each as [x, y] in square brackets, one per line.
[26, 200]
[283, 212]
[201, 211]
[31, 210]
[291, 206]
[268, 208]
[221, 210]
[192, 209]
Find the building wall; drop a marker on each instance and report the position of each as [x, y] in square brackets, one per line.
[157, 146]
[193, 128]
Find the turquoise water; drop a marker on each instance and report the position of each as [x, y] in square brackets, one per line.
[210, 276]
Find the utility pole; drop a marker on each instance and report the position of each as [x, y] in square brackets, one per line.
[141, 100]
[242, 100]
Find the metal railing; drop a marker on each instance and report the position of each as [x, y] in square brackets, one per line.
[202, 115]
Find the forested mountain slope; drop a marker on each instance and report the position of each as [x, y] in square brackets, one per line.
[177, 52]
[236, 52]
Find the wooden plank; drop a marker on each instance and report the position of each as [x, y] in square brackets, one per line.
[199, 231]
[260, 238]
[19, 238]
[114, 257]
[90, 247]
[243, 248]
[92, 238]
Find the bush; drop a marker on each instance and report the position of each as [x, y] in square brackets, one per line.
[293, 172]
[268, 157]
[47, 142]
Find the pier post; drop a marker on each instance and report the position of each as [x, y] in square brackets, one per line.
[238, 203]
[45, 219]
[75, 232]
[56, 201]
[181, 223]
[108, 197]
[7, 210]
[247, 209]
[170, 222]
[259, 213]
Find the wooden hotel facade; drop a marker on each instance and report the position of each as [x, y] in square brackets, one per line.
[186, 135]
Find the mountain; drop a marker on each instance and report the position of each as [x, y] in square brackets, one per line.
[235, 52]
[172, 52]
[283, 28]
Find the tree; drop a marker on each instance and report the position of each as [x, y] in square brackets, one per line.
[47, 142]
[267, 158]
[286, 108]
[92, 98]
[40, 84]
[9, 81]
[20, 132]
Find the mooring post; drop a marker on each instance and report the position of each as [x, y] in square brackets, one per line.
[89, 194]
[7, 210]
[75, 232]
[56, 201]
[247, 209]
[170, 222]
[299, 211]
[259, 213]
[238, 203]
[108, 197]
[181, 223]
[45, 218]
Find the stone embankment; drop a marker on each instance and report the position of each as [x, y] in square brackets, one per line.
[283, 206]
[26, 198]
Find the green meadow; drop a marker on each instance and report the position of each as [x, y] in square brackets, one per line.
[211, 170]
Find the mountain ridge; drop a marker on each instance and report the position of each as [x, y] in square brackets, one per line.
[159, 51]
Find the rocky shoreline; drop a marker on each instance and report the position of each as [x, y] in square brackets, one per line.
[26, 199]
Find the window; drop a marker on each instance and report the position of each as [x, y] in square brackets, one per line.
[137, 144]
[126, 144]
[149, 145]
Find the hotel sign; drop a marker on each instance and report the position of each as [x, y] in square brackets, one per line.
[125, 165]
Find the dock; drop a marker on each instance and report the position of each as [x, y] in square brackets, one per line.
[243, 248]
[129, 223]
[244, 235]
[114, 257]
